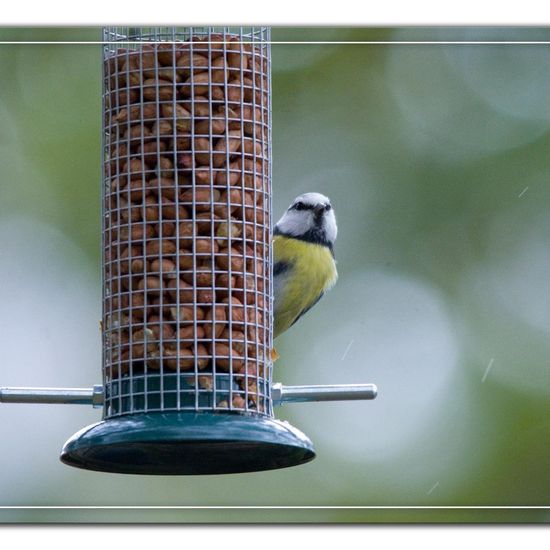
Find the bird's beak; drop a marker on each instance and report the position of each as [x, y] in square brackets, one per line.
[319, 209]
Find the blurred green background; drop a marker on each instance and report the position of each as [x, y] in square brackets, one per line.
[436, 160]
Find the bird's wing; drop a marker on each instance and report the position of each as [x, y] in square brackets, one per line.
[280, 267]
[306, 309]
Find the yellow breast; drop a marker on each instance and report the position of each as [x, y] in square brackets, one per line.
[310, 271]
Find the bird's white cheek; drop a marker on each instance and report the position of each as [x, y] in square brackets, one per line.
[331, 229]
[296, 223]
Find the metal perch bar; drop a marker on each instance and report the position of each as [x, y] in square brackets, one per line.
[280, 394]
[334, 392]
[63, 396]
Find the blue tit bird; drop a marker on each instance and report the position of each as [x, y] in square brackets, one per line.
[304, 267]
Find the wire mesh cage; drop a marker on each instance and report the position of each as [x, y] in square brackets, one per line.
[187, 317]
[187, 303]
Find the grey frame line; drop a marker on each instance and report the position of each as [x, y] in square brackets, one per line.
[289, 507]
[271, 507]
[297, 42]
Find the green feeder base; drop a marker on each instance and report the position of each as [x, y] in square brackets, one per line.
[187, 443]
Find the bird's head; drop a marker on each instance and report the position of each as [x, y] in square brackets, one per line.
[311, 218]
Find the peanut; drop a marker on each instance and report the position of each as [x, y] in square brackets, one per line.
[203, 175]
[214, 127]
[131, 252]
[164, 186]
[128, 77]
[134, 166]
[137, 265]
[205, 221]
[203, 357]
[181, 143]
[162, 128]
[236, 337]
[137, 133]
[136, 232]
[181, 115]
[252, 147]
[151, 209]
[191, 332]
[246, 286]
[234, 92]
[202, 149]
[163, 73]
[150, 284]
[186, 230]
[136, 189]
[205, 296]
[229, 176]
[182, 358]
[180, 291]
[236, 311]
[215, 47]
[137, 112]
[205, 246]
[205, 382]
[158, 89]
[165, 167]
[199, 107]
[157, 246]
[227, 231]
[202, 276]
[162, 330]
[223, 282]
[188, 61]
[141, 342]
[122, 98]
[230, 257]
[215, 322]
[150, 149]
[238, 402]
[226, 147]
[168, 54]
[226, 358]
[201, 196]
[186, 160]
[170, 212]
[165, 229]
[185, 261]
[129, 212]
[219, 70]
[235, 60]
[197, 84]
[165, 266]
[186, 314]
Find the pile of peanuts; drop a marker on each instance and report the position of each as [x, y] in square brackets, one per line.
[186, 232]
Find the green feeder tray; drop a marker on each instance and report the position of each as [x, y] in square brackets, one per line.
[187, 443]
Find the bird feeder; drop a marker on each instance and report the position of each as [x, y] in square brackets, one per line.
[187, 263]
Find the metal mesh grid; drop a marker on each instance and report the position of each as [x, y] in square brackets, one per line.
[187, 305]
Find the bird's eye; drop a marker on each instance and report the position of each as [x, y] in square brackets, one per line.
[299, 206]
[327, 207]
